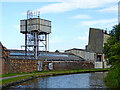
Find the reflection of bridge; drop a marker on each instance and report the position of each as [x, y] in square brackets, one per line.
[51, 56]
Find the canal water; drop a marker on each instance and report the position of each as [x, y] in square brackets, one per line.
[83, 80]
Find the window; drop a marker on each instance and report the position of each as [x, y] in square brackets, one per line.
[99, 58]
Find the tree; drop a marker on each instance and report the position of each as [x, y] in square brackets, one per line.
[111, 49]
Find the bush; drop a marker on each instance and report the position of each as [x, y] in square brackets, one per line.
[112, 80]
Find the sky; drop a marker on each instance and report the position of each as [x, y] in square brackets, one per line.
[71, 20]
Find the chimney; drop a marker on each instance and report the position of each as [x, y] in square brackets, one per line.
[106, 31]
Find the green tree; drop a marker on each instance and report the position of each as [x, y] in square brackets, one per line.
[111, 49]
[112, 52]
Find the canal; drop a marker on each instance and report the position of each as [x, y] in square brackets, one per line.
[83, 80]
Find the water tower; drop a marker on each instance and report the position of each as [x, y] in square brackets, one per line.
[36, 32]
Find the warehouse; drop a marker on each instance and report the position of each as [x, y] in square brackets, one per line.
[97, 38]
[51, 56]
[88, 56]
[93, 51]
[14, 61]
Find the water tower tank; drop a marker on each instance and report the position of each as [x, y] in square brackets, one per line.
[35, 24]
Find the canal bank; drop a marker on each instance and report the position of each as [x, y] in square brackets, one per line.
[33, 75]
[112, 80]
[81, 80]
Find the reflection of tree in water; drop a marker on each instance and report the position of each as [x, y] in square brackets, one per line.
[96, 79]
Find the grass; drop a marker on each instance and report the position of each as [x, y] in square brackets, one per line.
[57, 71]
[12, 74]
[44, 73]
[112, 80]
[6, 81]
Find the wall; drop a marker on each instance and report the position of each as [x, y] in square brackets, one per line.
[15, 65]
[0, 58]
[4, 60]
[98, 64]
[8, 65]
[96, 37]
[106, 37]
[19, 65]
[88, 56]
[72, 65]
[101, 65]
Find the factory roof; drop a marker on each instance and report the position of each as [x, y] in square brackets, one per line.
[76, 49]
[51, 56]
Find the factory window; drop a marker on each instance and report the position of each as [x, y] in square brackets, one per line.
[99, 58]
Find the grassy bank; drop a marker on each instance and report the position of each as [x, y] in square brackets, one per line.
[112, 79]
[44, 73]
[10, 80]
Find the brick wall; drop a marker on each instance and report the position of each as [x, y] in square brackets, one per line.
[0, 58]
[72, 65]
[19, 65]
[4, 60]
[69, 65]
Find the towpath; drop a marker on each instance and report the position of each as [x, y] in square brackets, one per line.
[13, 76]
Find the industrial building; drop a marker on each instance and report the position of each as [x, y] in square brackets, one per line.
[93, 51]
[97, 38]
[33, 58]
[88, 56]
[51, 56]
[14, 61]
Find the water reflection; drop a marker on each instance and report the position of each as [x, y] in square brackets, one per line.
[86, 80]
[96, 80]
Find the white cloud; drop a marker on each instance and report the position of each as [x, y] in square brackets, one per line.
[32, 0]
[106, 1]
[99, 22]
[57, 8]
[68, 5]
[110, 9]
[81, 17]
[102, 24]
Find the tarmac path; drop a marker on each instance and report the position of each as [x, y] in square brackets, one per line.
[13, 76]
